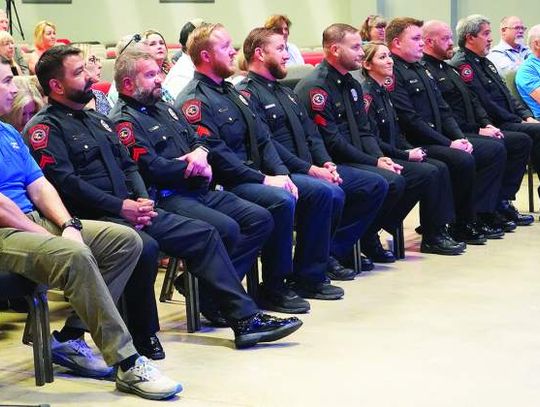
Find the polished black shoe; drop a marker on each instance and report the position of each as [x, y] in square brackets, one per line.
[149, 347]
[509, 211]
[263, 328]
[496, 221]
[317, 291]
[336, 271]
[372, 248]
[490, 228]
[466, 232]
[441, 244]
[215, 318]
[283, 300]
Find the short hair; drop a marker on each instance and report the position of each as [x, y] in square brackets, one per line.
[257, 38]
[51, 64]
[469, 25]
[370, 48]
[534, 34]
[396, 27]
[335, 33]
[27, 91]
[188, 29]
[199, 40]
[6, 38]
[39, 31]
[274, 21]
[126, 64]
[370, 22]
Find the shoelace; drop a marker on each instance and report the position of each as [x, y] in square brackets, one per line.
[82, 348]
[144, 369]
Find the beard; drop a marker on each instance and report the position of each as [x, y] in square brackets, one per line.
[81, 96]
[519, 40]
[276, 70]
[223, 70]
[146, 96]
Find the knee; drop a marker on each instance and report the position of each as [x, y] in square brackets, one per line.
[149, 252]
[230, 233]
[396, 186]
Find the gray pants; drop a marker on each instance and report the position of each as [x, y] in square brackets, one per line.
[92, 276]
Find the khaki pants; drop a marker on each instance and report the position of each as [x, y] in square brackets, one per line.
[92, 276]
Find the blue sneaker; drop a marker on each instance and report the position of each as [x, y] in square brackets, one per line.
[76, 355]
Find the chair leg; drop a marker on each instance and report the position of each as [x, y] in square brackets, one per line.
[252, 279]
[167, 289]
[530, 185]
[34, 319]
[46, 335]
[193, 314]
[357, 255]
[399, 242]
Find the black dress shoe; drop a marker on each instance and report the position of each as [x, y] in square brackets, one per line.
[373, 249]
[149, 347]
[317, 291]
[441, 244]
[509, 211]
[215, 318]
[282, 299]
[366, 264]
[466, 232]
[490, 227]
[496, 221]
[263, 328]
[336, 271]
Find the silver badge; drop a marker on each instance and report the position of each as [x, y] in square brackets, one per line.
[429, 74]
[106, 125]
[172, 113]
[243, 99]
[291, 98]
[354, 95]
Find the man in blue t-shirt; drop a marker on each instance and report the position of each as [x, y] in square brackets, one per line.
[528, 74]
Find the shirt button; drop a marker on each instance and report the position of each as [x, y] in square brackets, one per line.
[164, 138]
[230, 119]
[274, 116]
[86, 147]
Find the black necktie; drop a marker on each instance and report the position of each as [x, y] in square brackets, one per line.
[295, 125]
[391, 116]
[462, 89]
[251, 139]
[116, 175]
[421, 72]
[491, 71]
[351, 120]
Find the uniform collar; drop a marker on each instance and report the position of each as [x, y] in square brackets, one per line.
[472, 55]
[271, 84]
[135, 104]
[433, 61]
[334, 75]
[79, 113]
[210, 82]
[372, 85]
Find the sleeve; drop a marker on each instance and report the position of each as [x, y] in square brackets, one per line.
[31, 169]
[47, 146]
[227, 164]
[449, 124]
[315, 142]
[501, 61]
[318, 105]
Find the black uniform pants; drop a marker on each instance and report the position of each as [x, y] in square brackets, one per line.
[533, 131]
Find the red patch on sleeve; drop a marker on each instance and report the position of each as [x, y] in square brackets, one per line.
[246, 93]
[137, 152]
[192, 110]
[319, 120]
[202, 131]
[124, 130]
[318, 99]
[46, 160]
[367, 101]
[39, 136]
[390, 83]
[466, 73]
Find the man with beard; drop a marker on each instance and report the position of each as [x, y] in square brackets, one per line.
[510, 52]
[80, 154]
[334, 101]
[473, 119]
[480, 75]
[476, 166]
[246, 163]
[173, 162]
[300, 145]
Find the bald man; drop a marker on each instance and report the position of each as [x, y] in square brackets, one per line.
[528, 74]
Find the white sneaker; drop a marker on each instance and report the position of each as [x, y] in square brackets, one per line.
[146, 381]
[77, 356]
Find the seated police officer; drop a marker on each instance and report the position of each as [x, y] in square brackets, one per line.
[301, 148]
[473, 119]
[91, 261]
[334, 101]
[476, 166]
[172, 161]
[84, 159]
[245, 162]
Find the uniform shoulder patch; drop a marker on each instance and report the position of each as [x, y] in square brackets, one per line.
[466, 72]
[46, 160]
[202, 131]
[124, 130]
[367, 101]
[39, 136]
[318, 98]
[137, 152]
[319, 120]
[390, 83]
[192, 110]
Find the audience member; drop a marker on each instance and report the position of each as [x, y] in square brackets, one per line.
[26, 104]
[373, 28]
[44, 38]
[19, 57]
[528, 74]
[511, 51]
[93, 65]
[7, 50]
[282, 24]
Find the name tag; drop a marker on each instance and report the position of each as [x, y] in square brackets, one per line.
[270, 106]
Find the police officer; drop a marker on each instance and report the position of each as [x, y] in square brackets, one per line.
[426, 121]
[480, 75]
[245, 162]
[79, 152]
[473, 119]
[172, 161]
[334, 101]
[301, 147]
[436, 200]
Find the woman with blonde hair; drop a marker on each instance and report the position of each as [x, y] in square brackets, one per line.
[7, 50]
[44, 38]
[93, 65]
[373, 28]
[27, 103]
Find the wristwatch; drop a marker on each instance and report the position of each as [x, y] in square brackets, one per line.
[72, 223]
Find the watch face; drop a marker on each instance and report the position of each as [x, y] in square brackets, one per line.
[74, 223]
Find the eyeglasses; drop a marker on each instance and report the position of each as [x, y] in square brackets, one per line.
[94, 60]
[517, 28]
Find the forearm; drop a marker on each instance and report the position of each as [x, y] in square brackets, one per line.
[11, 216]
[47, 200]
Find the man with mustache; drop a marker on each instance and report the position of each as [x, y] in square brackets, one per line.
[511, 51]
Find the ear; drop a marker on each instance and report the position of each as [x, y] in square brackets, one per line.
[367, 65]
[128, 84]
[396, 43]
[56, 86]
[205, 56]
[334, 49]
[259, 54]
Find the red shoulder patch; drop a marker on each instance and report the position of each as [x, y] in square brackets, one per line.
[39, 136]
[192, 110]
[46, 160]
[319, 120]
[318, 99]
[367, 101]
[137, 152]
[466, 73]
[124, 130]
[390, 83]
[246, 93]
[202, 131]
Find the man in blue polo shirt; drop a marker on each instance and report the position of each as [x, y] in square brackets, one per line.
[528, 74]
